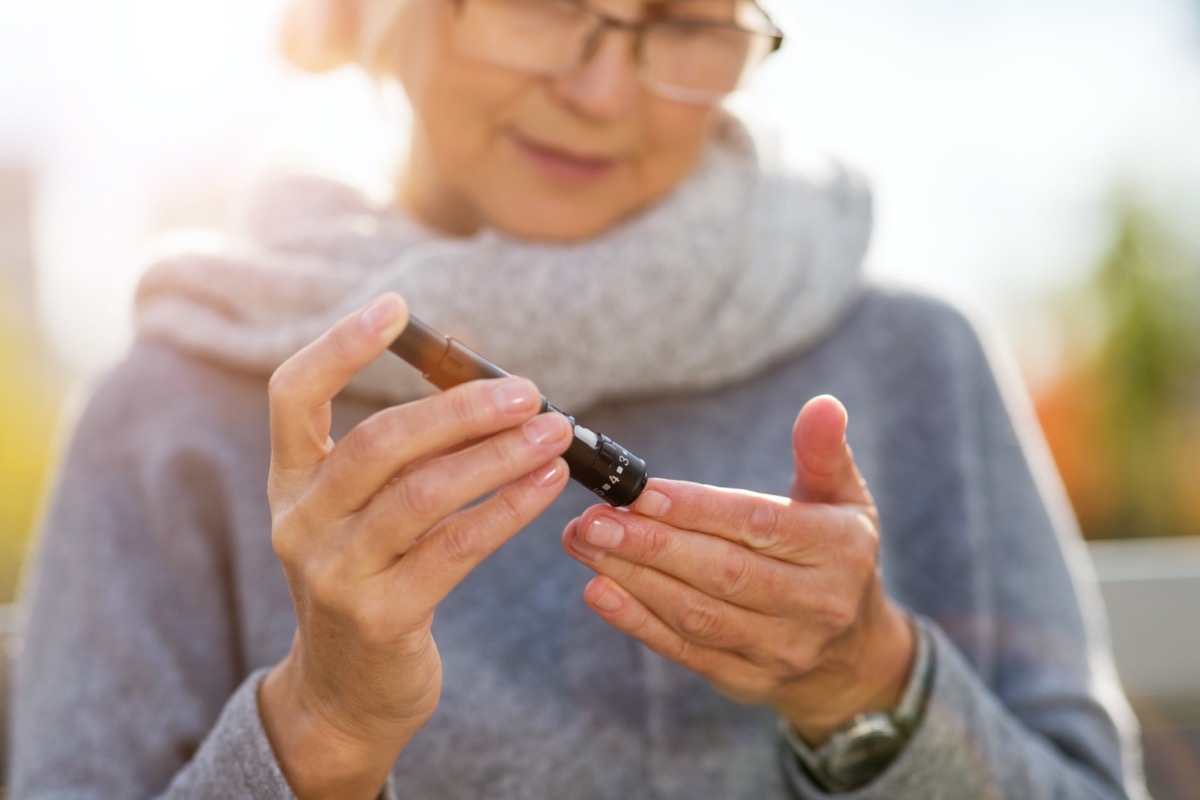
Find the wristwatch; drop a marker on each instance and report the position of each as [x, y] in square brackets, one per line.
[861, 750]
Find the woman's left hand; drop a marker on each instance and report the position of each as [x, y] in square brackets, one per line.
[776, 601]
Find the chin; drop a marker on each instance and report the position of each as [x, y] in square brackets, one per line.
[556, 222]
[566, 232]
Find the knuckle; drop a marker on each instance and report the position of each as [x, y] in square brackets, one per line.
[688, 654]
[279, 386]
[380, 437]
[509, 453]
[836, 612]
[761, 518]
[460, 543]
[656, 544]
[367, 444]
[798, 659]
[700, 620]
[416, 495]
[736, 573]
[637, 623]
[467, 407]
[762, 526]
[510, 505]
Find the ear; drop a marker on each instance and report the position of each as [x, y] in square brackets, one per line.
[321, 35]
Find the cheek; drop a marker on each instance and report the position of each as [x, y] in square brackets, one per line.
[459, 105]
[465, 111]
[675, 136]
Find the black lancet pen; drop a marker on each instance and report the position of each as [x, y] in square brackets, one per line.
[596, 461]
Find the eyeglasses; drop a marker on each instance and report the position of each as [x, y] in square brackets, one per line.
[692, 51]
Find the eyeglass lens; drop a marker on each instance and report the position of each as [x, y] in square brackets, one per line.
[691, 51]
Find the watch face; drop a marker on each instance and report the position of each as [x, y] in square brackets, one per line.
[862, 751]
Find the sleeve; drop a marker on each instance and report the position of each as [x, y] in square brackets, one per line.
[130, 681]
[1024, 702]
[129, 651]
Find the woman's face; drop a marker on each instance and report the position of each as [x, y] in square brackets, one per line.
[552, 158]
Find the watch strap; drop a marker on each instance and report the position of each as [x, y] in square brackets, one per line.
[904, 718]
[911, 707]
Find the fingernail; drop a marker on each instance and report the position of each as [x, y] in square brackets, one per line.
[381, 313]
[548, 474]
[514, 396]
[544, 428]
[605, 532]
[609, 600]
[652, 504]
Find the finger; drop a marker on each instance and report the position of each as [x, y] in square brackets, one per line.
[443, 558]
[769, 643]
[302, 387]
[371, 455]
[825, 468]
[774, 526]
[712, 565]
[434, 490]
[692, 614]
[625, 612]
[799, 533]
[790, 597]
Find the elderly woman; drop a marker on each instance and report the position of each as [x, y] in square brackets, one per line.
[576, 204]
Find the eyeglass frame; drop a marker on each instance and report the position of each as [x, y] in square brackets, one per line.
[605, 21]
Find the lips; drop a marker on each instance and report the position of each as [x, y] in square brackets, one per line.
[561, 164]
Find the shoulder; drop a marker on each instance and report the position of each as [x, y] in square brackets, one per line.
[917, 312]
[282, 206]
[165, 454]
[914, 332]
[158, 401]
[922, 367]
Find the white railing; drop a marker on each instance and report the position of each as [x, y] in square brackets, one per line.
[1151, 589]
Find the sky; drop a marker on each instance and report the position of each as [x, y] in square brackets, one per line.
[994, 133]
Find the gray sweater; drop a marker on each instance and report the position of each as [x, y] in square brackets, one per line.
[157, 602]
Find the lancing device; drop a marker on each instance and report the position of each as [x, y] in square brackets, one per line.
[596, 461]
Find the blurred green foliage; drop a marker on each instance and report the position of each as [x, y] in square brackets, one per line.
[1123, 415]
[30, 398]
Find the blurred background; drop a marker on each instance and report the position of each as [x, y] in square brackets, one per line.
[1036, 160]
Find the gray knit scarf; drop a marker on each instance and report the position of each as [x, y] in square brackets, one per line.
[745, 263]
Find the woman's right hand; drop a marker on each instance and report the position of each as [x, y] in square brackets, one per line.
[373, 532]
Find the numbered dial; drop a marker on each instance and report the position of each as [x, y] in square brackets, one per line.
[606, 468]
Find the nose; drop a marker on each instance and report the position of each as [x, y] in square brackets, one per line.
[605, 84]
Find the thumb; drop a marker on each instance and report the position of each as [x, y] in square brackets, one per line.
[825, 469]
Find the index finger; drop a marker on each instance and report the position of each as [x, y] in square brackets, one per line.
[742, 516]
[302, 388]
